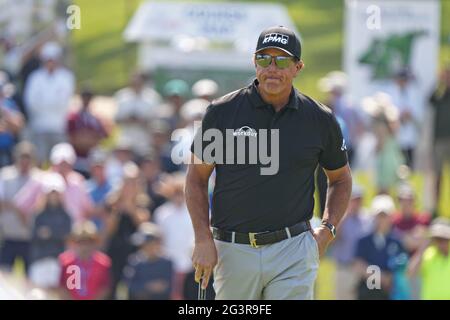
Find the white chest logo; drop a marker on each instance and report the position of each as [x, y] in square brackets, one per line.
[245, 131]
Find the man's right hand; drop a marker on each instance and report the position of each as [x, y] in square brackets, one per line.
[204, 259]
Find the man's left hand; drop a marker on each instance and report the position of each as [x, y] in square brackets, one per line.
[323, 237]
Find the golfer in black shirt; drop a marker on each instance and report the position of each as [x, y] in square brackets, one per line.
[265, 141]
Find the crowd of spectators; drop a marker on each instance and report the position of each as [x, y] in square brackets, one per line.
[95, 222]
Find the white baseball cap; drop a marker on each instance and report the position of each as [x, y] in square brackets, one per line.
[440, 228]
[382, 203]
[334, 80]
[63, 152]
[357, 192]
[51, 51]
[205, 87]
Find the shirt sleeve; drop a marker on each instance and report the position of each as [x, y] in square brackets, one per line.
[209, 122]
[334, 154]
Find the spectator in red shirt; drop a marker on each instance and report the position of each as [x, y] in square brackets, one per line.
[411, 228]
[85, 271]
[85, 130]
[409, 224]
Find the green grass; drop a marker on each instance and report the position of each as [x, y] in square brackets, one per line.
[320, 25]
[102, 58]
[104, 61]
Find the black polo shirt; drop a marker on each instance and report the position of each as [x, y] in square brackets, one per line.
[244, 200]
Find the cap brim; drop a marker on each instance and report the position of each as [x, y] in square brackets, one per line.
[275, 47]
[442, 232]
[440, 235]
[77, 238]
[385, 212]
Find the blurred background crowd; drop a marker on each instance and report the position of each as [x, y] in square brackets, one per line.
[87, 178]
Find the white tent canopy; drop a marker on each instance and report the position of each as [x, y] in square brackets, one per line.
[201, 34]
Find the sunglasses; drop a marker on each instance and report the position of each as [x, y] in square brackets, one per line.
[265, 60]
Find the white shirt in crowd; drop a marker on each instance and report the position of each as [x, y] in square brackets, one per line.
[47, 98]
[141, 106]
[407, 100]
[178, 234]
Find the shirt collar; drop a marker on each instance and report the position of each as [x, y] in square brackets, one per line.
[258, 102]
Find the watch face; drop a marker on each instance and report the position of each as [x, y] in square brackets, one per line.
[330, 227]
[333, 231]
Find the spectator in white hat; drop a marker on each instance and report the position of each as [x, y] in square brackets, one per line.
[50, 229]
[47, 95]
[409, 223]
[77, 200]
[377, 250]
[432, 262]
[205, 89]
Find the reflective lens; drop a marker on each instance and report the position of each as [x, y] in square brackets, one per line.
[264, 60]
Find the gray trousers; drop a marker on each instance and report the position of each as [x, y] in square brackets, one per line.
[285, 270]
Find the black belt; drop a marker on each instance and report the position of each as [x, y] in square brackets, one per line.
[261, 238]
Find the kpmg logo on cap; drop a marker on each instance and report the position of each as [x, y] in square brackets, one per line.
[276, 37]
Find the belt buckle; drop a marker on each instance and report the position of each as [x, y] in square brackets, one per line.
[252, 238]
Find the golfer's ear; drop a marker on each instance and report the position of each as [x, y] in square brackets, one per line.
[299, 66]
